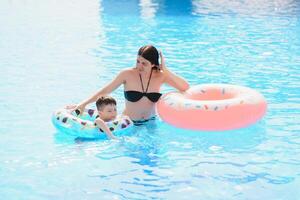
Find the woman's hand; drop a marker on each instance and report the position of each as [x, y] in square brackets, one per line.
[171, 78]
[79, 108]
[70, 107]
[76, 108]
[162, 65]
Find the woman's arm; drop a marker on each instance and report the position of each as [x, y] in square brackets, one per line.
[101, 124]
[172, 79]
[114, 84]
[176, 81]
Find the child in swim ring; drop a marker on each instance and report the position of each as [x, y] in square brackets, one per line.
[107, 110]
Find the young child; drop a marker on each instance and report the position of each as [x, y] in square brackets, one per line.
[107, 110]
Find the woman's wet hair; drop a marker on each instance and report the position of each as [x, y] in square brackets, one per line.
[151, 54]
[104, 101]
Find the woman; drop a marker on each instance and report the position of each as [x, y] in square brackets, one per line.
[141, 85]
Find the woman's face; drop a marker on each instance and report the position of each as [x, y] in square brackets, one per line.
[143, 65]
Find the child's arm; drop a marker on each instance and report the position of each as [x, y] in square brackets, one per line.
[101, 124]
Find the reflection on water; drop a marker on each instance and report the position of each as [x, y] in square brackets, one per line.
[228, 141]
[247, 7]
[150, 8]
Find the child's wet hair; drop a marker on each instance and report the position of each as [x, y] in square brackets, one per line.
[104, 101]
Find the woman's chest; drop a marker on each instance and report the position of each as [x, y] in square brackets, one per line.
[144, 83]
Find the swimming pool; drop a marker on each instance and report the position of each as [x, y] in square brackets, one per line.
[56, 53]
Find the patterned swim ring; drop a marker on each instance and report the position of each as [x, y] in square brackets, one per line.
[84, 126]
[212, 107]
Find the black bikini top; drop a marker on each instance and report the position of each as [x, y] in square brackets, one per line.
[134, 96]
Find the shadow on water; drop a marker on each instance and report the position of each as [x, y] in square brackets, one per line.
[239, 139]
[64, 139]
[151, 144]
[142, 145]
[147, 148]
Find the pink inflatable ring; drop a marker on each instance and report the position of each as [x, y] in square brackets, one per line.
[212, 107]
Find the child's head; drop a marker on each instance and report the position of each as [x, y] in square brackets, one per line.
[107, 108]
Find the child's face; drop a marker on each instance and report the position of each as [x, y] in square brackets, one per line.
[108, 112]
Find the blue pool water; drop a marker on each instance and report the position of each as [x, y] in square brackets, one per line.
[53, 53]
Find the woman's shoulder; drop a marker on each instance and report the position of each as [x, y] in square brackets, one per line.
[127, 70]
[123, 74]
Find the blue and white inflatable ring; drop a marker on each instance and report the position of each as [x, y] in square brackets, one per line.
[83, 125]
